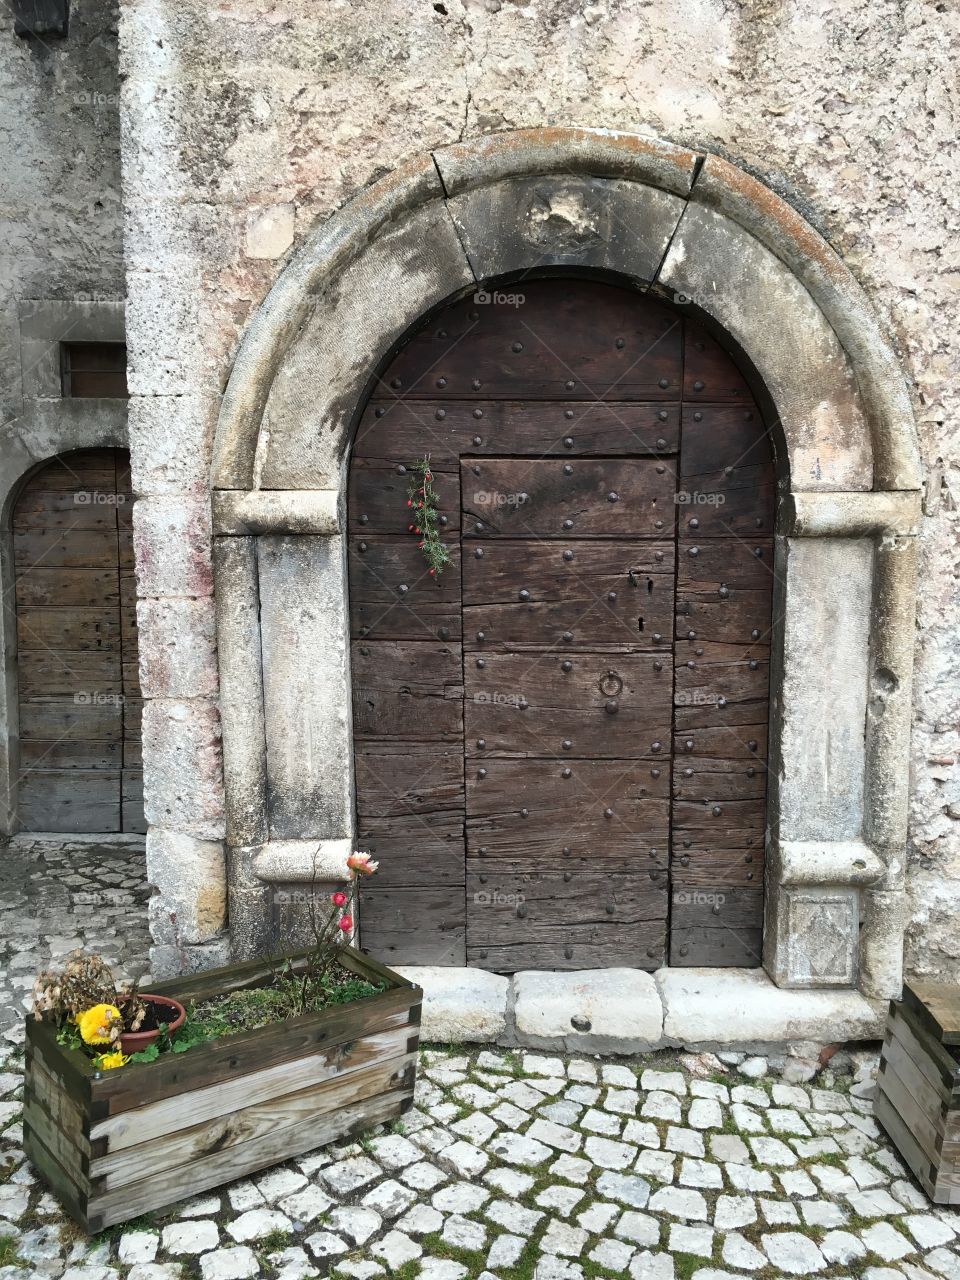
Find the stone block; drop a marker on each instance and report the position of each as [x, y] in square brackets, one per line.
[460, 1005]
[594, 1010]
[358, 316]
[189, 875]
[164, 333]
[820, 936]
[564, 219]
[306, 692]
[819, 790]
[182, 771]
[171, 439]
[171, 546]
[707, 1008]
[716, 265]
[177, 647]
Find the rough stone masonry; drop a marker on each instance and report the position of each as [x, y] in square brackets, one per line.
[244, 126]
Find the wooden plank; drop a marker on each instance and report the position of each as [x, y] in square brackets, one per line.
[88, 716]
[425, 606]
[709, 373]
[936, 1006]
[604, 706]
[64, 548]
[580, 498]
[407, 689]
[613, 595]
[909, 1104]
[46, 672]
[907, 1145]
[69, 800]
[67, 630]
[566, 915]
[418, 925]
[414, 850]
[195, 1107]
[63, 588]
[740, 564]
[727, 742]
[377, 499]
[724, 948]
[571, 339]
[593, 808]
[931, 1096]
[183, 1146]
[53, 1174]
[406, 778]
[57, 509]
[713, 780]
[40, 753]
[712, 867]
[398, 430]
[928, 1055]
[219, 1061]
[280, 1142]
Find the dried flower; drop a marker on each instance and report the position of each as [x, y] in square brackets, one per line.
[345, 923]
[339, 899]
[362, 862]
[99, 1025]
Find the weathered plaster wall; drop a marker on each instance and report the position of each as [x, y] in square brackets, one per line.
[61, 269]
[60, 222]
[246, 123]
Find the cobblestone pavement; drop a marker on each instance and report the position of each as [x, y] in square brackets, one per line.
[511, 1164]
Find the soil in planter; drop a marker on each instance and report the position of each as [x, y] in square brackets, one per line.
[157, 1016]
[255, 1007]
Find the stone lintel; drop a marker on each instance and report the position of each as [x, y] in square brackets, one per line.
[827, 862]
[279, 861]
[849, 515]
[252, 511]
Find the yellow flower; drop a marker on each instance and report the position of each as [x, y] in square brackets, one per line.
[109, 1060]
[95, 1023]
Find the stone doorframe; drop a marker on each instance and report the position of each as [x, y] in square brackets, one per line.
[705, 235]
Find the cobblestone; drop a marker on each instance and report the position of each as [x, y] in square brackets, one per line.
[528, 1165]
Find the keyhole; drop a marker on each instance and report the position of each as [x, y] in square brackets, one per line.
[640, 621]
[649, 586]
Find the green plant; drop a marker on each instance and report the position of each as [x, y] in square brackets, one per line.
[425, 511]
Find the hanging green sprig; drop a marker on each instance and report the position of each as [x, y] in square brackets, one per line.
[425, 512]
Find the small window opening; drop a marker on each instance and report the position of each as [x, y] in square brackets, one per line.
[94, 370]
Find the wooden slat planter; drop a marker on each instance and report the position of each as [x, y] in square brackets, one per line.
[116, 1144]
[918, 1087]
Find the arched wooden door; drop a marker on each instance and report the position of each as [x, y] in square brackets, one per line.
[560, 742]
[77, 675]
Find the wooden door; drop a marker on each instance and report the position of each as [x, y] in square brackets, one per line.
[560, 742]
[79, 697]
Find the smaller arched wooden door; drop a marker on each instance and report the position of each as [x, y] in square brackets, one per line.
[560, 744]
[77, 674]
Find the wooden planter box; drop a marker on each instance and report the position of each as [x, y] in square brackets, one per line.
[116, 1144]
[918, 1087]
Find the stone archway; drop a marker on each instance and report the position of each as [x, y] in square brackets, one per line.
[704, 234]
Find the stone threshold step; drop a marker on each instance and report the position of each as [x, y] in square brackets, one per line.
[630, 1011]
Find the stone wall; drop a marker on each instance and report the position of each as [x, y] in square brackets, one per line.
[245, 125]
[61, 268]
